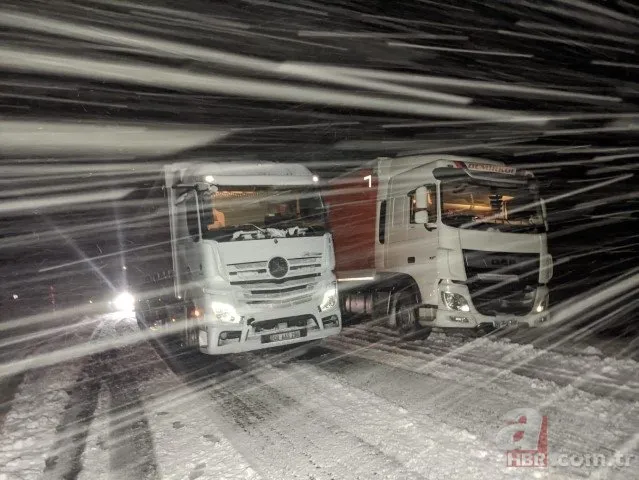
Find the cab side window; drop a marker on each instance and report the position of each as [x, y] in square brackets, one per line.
[398, 218]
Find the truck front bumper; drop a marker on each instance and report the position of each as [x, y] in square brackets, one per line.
[269, 329]
[446, 318]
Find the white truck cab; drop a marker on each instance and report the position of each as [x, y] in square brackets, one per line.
[465, 237]
[252, 255]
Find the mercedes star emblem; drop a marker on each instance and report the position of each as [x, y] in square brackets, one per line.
[278, 267]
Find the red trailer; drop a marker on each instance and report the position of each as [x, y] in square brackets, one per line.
[352, 218]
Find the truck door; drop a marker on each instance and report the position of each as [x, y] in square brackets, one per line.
[410, 243]
[185, 237]
[397, 223]
[189, 241]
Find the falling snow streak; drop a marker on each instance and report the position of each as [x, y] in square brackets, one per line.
[97, 95]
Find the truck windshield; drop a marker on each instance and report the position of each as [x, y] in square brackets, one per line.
[489, 202]
[262, 212]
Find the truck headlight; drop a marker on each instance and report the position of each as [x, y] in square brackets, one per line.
[224, 312]
[455, 301]
[330, 298]
[124, 302]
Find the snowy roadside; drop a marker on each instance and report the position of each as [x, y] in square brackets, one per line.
[582, 366]
[471, 386]
[30, 336]
[368, 404]
[115, 414]
[186, 440]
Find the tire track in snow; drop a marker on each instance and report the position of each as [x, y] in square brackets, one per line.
[20, 345]
[524, 360]
[83, 399]
[38, 405]
[280, 436]
[289, 439]
[8, 389]
[421, 442]
[473, 398]
[182, 420]
[130, 445]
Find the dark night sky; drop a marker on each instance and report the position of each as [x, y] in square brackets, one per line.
[549, 45]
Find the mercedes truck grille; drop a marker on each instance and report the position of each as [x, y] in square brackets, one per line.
[261, 287]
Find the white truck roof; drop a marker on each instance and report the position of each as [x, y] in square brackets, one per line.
[388, 167]
[244, 173]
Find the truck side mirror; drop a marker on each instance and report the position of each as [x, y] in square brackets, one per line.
[421, 199]
[421, 217]
[181, 198]
[421, 205]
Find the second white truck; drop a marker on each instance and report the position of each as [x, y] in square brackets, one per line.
[241, 258]
[441, 241]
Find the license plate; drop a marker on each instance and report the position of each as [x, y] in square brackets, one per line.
[278, 337]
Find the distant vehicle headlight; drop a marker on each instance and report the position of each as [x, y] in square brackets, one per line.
[330, 298]
[455, 301]
[124, 302]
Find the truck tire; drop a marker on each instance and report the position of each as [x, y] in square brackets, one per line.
[189, 334]
[404, 312]
[142, 311]
[405, 316]
[139, 316]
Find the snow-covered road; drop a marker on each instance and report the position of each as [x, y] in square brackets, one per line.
[367, 405]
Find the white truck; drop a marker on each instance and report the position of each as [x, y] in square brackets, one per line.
[250, 263]
[441, 242]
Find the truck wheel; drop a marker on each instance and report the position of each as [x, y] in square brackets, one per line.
[189, 332]
[189, 340]
[139, 317]
[404, 312]
[190, 336]
[142, 312]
